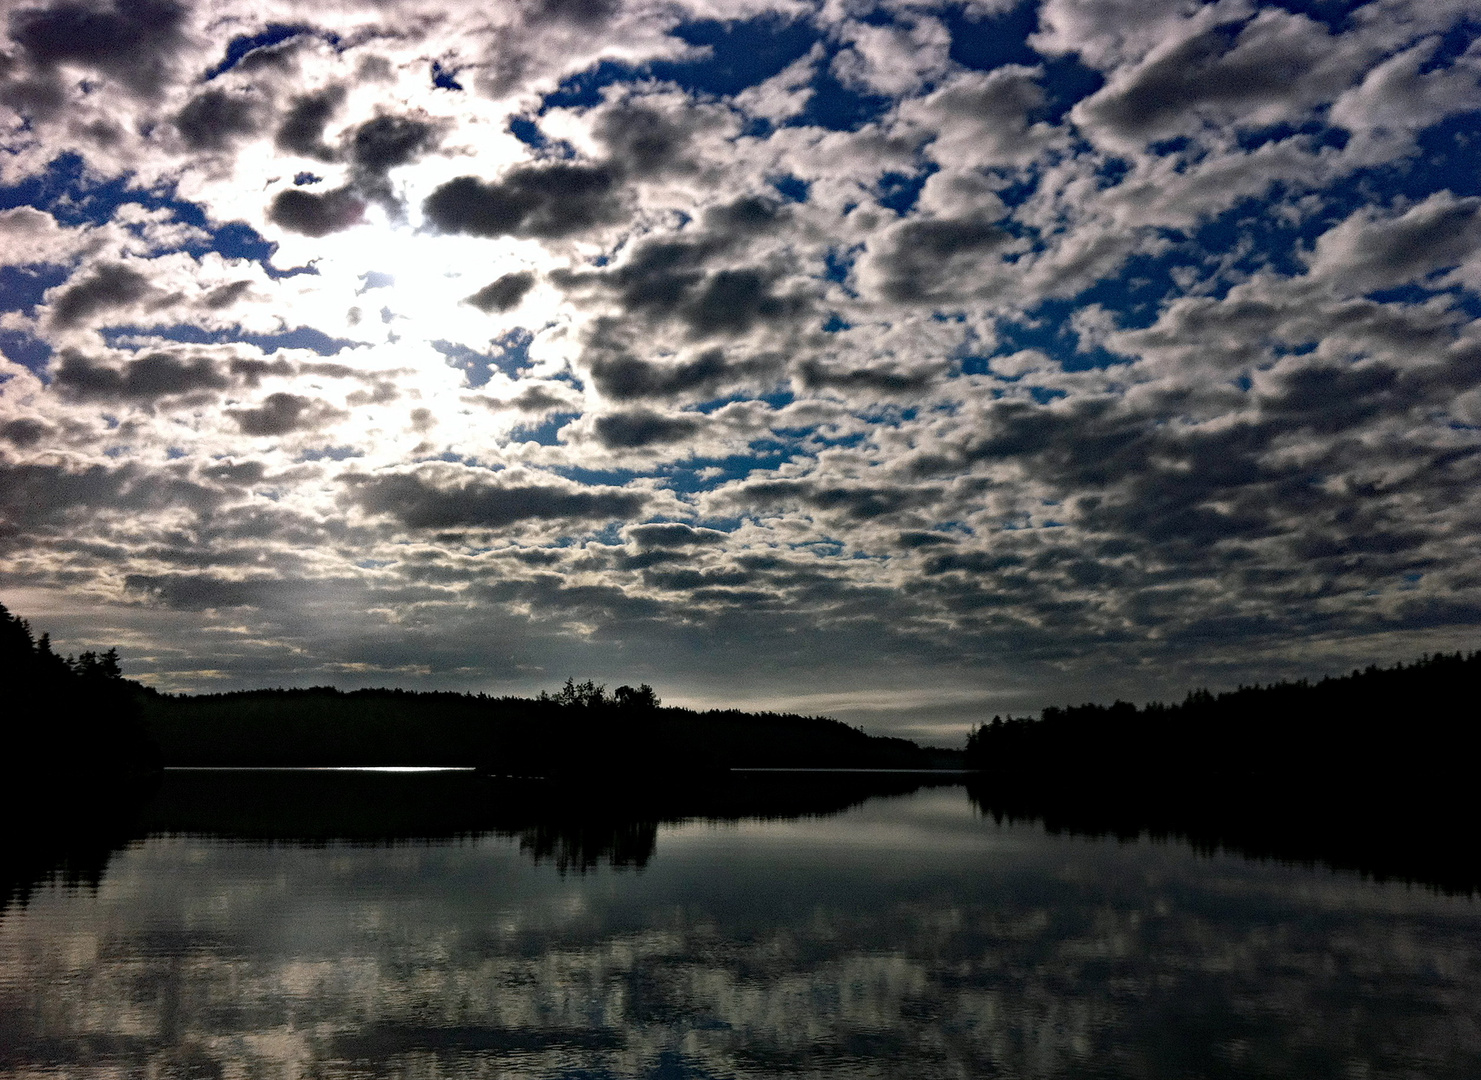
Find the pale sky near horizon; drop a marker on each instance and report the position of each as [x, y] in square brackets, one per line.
[905, 362]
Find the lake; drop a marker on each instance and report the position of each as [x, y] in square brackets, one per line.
[903, 935]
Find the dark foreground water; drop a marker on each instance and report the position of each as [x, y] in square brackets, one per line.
[907, 936]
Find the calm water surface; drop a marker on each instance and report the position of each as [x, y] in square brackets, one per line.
[908, 936]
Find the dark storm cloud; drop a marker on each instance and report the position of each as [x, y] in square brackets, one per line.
[685, 280]
[733, 301]
[223, 296]
[552, 594]
[1228, 69]
[236, 472]
[626, 378]
[24, 432]
[251, 371]
[916, 266]
[638, 428]
[1194, 495]
[281, 413]
[685, 579]
[665, 266]
[544, 201]
[302, 129]
[943, 239]
[154, 376]
[666, 281]
[198, 592]
[213, 119]
[744, 218]
[317, 215]
[538, 399]
[419, 503]
[30, 97]
[40, 497]
[816, 376]
[503, 293]
[131, 40]
[860, 502]
[586, 13]
[657, 274]
[382, 144]
[110, 285]
[672, 534]
[1019, 429]
[1183, 76]
[917, 538]
[385, 143]
[640, 560]
[644, 140]
[1329, 398]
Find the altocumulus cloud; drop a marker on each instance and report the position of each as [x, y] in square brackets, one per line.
[419, 502]
[981, 358]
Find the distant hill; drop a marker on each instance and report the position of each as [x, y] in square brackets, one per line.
[1373, 771]
[554, 736]
[79, 715]
[1378, 727]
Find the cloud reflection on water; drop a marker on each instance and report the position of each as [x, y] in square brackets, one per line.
[906, 936]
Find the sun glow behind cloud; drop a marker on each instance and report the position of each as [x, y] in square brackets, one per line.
[915, 361]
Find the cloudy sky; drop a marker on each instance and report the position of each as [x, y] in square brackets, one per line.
[900, 361]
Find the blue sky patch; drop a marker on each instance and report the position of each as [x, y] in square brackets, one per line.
[238, 47]
[301, 337]
[741, 54]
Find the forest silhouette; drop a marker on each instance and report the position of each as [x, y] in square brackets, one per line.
[581, 776]
[580, 732]
[1377, 726]
[73, 715]
[1371, 771]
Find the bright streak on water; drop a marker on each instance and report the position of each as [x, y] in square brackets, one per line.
[324, 768]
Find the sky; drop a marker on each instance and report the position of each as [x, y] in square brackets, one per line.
[903, 362]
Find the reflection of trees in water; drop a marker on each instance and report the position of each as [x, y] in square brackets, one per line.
[69, 836]
[1033, 958]
[1390, 835]
[1372, 771]
[583, 846]
[51, 833]
[582, 827]
[576, 827]
[27, 866]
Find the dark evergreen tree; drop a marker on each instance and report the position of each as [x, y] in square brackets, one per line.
[66, 715]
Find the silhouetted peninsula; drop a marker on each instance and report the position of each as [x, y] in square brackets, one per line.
[1372, 771]
[1381, 726]
[80, 715]
[581, 731]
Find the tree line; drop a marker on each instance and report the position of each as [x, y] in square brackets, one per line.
[1372, 771]
[78, 714]
[67, 714]
[579, 731]
[1380, 725]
